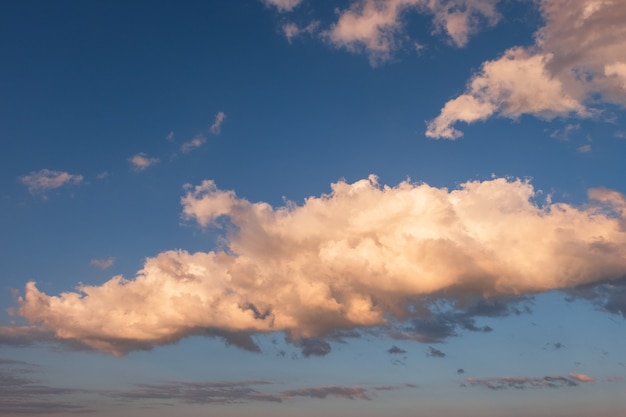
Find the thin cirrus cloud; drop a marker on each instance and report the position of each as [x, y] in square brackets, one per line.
[20, 393]
[42, 181]
[141, 161]
[283, 5]
[557, 381]
[102, 263]
[578, 60]
[362, 256]
[216, 127]
[195, 143]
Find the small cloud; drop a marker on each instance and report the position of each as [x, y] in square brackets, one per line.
[283, 5]
[39, 182]
[102, 175]
[313, 347]
[395, 350]
[292, 31]
[140, 161]
[435, 353]
[566, 132]
[216, 127]
[581, 377]
[196, 142]
[584, 148]
[460, 371]
[102, 263]
[170, 136]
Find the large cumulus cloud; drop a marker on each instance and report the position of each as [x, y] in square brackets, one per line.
[361, 256]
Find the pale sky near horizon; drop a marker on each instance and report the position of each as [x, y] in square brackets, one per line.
[347, 208]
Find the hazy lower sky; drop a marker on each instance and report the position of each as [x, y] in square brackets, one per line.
[314, 208]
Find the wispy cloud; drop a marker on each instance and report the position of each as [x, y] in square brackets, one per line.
[435, 353]
[395, 350]
[20, 393]
[39, 182]
[216, 127]
[571, 380]
[141, 161]
[283, 5]
[556, 81]
[313, 269]
[292, 31]
[328, 391]
[194, 143]
[103, 263]
[199, 392]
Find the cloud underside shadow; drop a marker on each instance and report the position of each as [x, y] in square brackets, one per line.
[415, 261]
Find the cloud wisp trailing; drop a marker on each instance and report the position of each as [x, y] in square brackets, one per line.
[216, 127]
[103, 263]
[578, 60]
[42, 181]
[557, 381]
[358, 257]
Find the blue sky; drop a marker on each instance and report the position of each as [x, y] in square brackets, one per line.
[345, 208]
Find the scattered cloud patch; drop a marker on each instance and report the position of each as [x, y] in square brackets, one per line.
[362, 256]
[460, 371]
[313, 347]
[194, 143]
[170, 136]
[103, 263]
[292, 30]
[584, 148]
[141, 161]
[435, 353]
[377, 28]
[216, 127]
[395, 350]
[42, 181]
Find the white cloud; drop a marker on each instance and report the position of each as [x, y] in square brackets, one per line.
[38, 182]
[141, 161]
[103, 263]
[584, 148]
[579, 54]
[216, 127]
[196, 142]
[376, 27]
[352, 258]
[283, 5]
[170, 136]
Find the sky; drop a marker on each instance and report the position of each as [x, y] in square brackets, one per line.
[322, 208]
